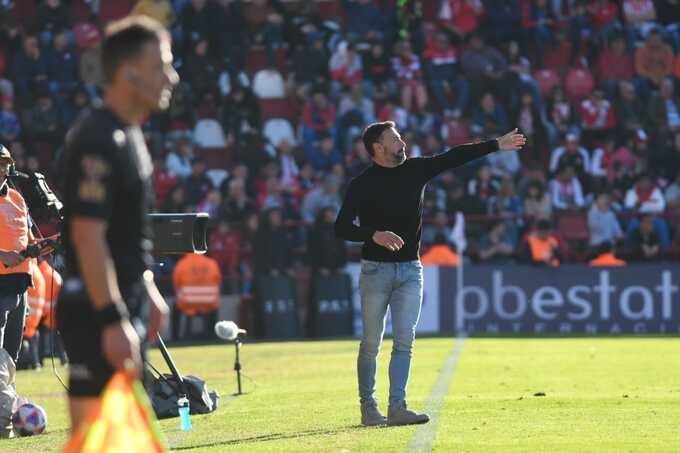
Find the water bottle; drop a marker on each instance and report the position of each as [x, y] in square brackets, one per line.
[183, 408]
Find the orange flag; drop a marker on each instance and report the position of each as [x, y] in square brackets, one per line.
[123, 422]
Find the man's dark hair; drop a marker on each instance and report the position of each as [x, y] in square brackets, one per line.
[125, 39]
[372, 134]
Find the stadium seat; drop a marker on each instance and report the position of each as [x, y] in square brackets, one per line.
[572, 226]
[277, 129]
[208, 133]
[578, 84]
[217, 175]
[110, 10]
[25, 13]
[3, 61]
[268, 84]
[330, 10]
[279, 108]
[431, 11]
[215, 158]
[80, 12]
[256, 60]
[547, 80]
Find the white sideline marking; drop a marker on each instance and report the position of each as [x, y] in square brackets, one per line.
[425, 434]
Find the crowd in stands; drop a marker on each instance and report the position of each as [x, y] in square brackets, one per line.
[263, 132]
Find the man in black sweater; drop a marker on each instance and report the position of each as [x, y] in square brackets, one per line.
[387, 198]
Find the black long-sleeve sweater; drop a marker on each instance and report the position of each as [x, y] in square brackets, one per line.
[391, 199]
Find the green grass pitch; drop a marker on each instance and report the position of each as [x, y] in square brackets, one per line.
[600, 394]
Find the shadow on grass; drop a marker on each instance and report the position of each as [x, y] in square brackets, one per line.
[277, 436]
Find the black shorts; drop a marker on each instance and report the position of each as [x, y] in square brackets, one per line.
[89, 371]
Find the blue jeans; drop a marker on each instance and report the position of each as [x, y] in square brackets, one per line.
[399, 286]
[12, 318]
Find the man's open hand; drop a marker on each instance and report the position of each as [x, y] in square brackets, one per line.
[510, 141]
[388, 240]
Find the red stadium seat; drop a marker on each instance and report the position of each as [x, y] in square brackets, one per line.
[256, 60]
[330, 9]
[547, 79]
[110, 10]
[578, 84]
[25, 13]
[3, 60]
[573, 226]
[279, 108]
[215, 157]
[80, 12]
[430, 11]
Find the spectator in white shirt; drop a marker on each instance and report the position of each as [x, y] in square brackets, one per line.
[572, 153]
[566, 191]
[645, 197]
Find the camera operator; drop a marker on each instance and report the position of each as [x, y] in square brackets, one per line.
[15, 277]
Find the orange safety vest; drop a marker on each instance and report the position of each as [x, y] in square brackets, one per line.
[53, 284]
[197, 281]
[14, 229]
[542, 249]
[607, 260]
[440, 255]
[36, 300]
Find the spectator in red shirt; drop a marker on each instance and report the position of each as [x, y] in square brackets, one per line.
[460, 17]
[162, 180]
[597, 118]
[604, 17]
[407, 69]
[614, 65]
[345, 67]
[225, 248]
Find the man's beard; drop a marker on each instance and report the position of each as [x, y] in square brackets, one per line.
[400, 157]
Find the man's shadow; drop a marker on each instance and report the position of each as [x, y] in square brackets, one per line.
[277, 436]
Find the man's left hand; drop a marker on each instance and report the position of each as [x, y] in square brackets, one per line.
[511, 141]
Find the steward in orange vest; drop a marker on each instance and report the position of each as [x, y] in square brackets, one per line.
[197, 280]
[15, 275]
[541, 246]
[440, 254]
[606, 257]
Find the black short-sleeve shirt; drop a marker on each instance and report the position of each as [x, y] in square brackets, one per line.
[106, 175]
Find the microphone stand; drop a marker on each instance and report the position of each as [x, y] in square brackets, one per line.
[237, 365]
